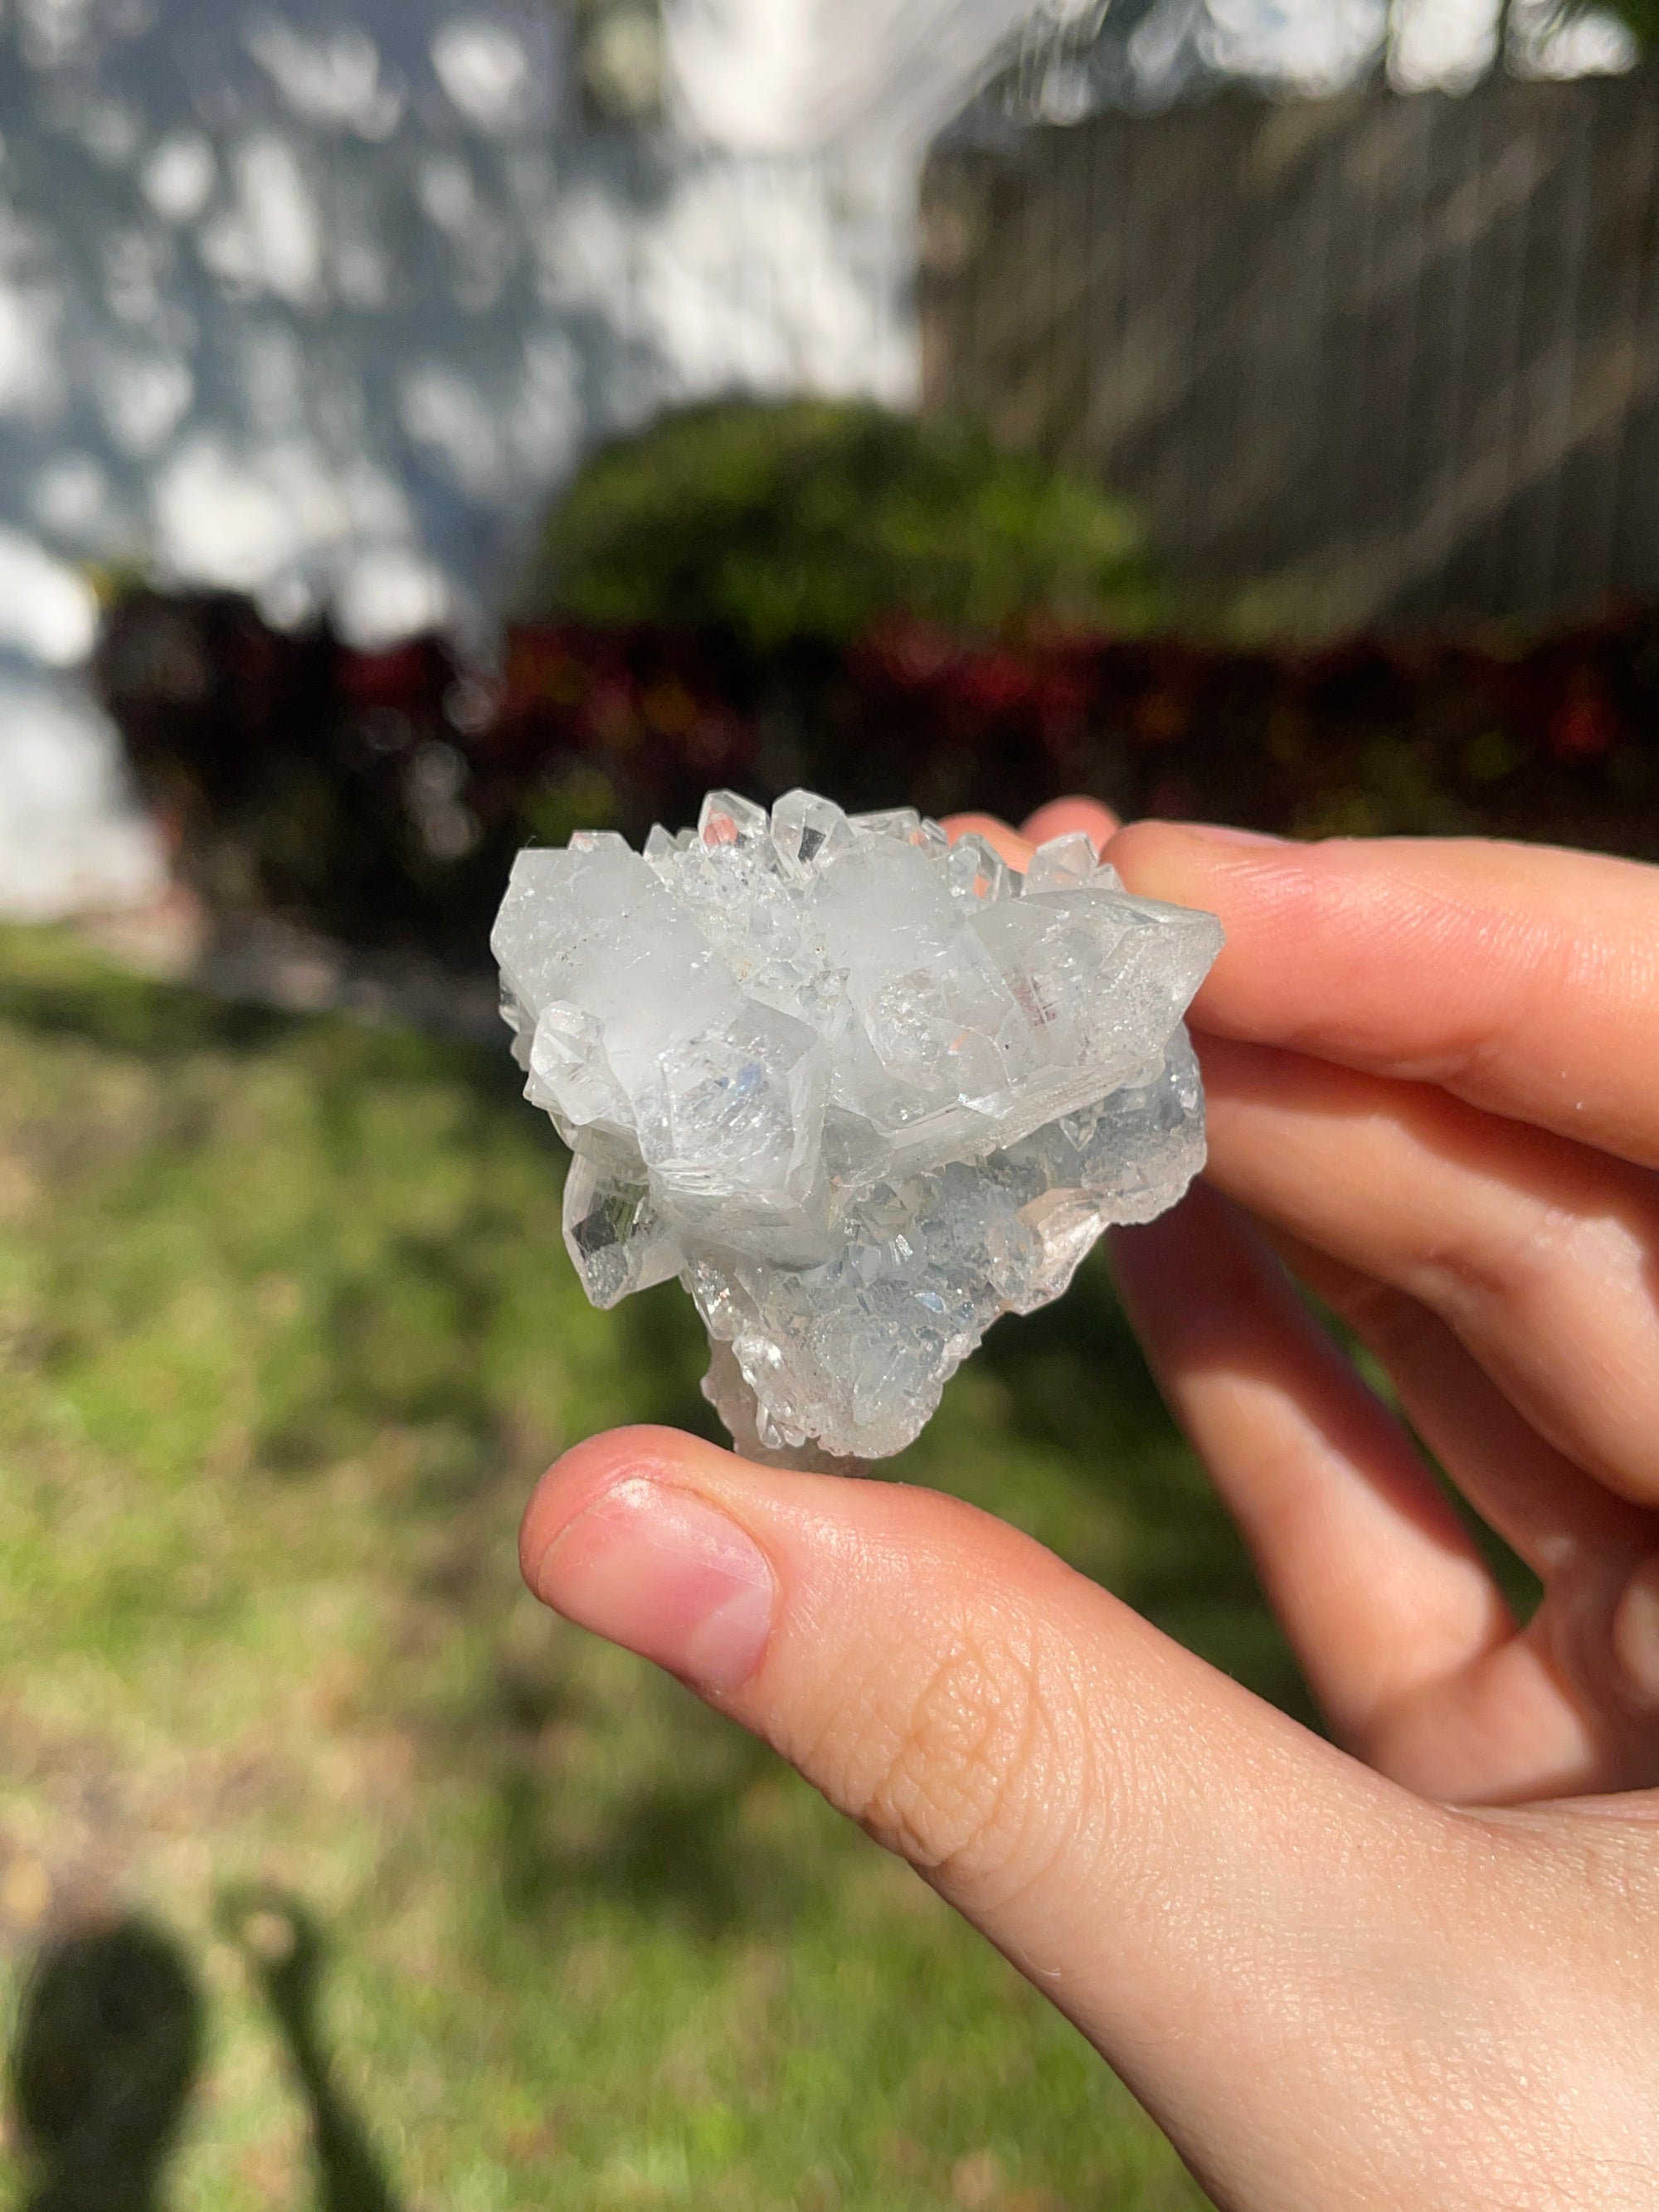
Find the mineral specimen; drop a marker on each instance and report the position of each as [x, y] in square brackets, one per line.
[862, 1091]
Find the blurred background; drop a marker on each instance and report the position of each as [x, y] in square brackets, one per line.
[432, 426]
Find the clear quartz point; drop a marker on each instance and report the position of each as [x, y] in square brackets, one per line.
[614, 1235]
[810, 832]
[977, 872]
[1064, 864]
[862, 1091]
[901, 822]
[727, 819]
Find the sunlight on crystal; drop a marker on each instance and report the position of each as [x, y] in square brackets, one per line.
[862, 1091]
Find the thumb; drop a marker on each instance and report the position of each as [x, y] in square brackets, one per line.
[1205, 1888]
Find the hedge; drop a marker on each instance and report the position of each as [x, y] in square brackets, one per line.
[781, 520]
[380, 797]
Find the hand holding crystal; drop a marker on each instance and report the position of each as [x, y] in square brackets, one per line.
[1415, 1968]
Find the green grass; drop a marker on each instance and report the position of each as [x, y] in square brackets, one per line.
[286, 1332]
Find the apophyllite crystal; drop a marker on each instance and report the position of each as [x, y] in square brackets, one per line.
[862, 1091]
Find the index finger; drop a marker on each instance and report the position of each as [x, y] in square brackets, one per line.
[1522, 979]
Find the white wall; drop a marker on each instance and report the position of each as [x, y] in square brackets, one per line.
[321, 298]
[322, 301]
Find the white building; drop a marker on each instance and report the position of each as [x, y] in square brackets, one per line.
[320, 299]
[321, 304]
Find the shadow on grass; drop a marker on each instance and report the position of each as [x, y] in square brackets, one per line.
[109, 2046]
[52, 987]
[287, 1955]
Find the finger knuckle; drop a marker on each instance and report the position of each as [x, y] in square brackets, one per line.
[972, 1751]
[1517, 1270]
[1399, 1329]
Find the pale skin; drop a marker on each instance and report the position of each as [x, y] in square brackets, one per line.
[1418, 1967]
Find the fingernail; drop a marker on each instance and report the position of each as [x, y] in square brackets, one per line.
[1224, 833]
[1635, 1634]
[661, 1573]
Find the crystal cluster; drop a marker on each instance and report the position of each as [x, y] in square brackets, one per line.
[861, 1090]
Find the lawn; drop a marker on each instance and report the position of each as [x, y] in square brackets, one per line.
[491, 1915]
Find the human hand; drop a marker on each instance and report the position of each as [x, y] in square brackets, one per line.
[1431, 1077]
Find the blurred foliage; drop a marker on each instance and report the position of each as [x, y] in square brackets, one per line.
[286, 1336]
[620, 61]
[1556, 738]
[380, 797]
[814, 518]
[293, 776]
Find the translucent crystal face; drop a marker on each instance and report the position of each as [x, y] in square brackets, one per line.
[861, 1090]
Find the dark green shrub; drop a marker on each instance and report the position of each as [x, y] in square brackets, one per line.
[818, 518]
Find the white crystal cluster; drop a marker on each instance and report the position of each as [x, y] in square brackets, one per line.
[862, 1091]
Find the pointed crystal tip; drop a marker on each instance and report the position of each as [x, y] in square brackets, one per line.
[727, 819]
